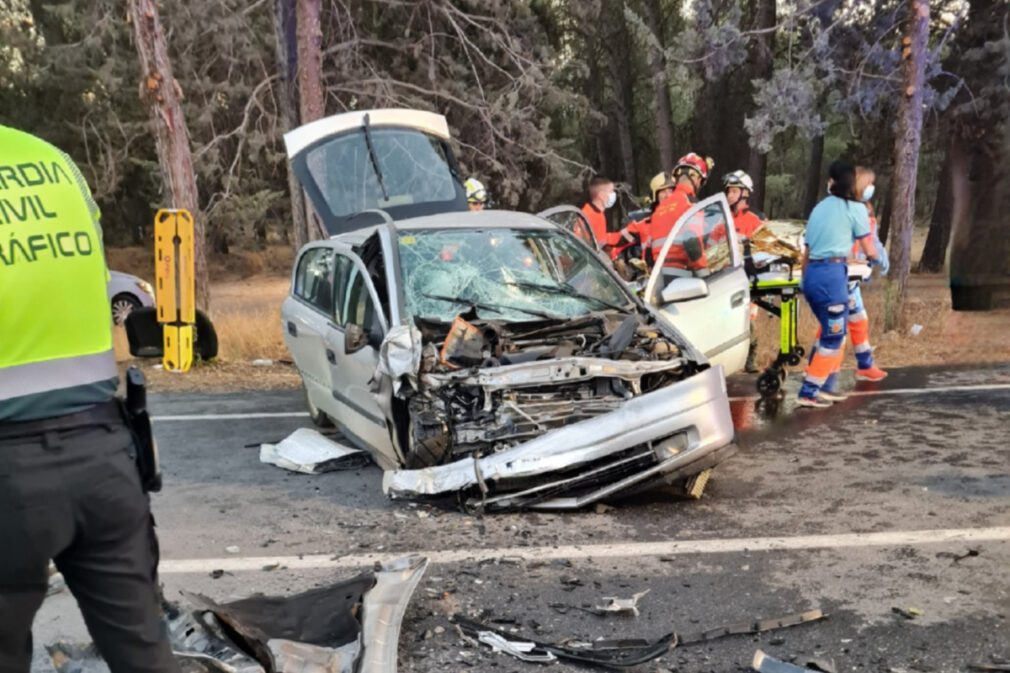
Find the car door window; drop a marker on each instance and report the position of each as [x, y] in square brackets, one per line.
[358, 308]
[314, 279]
[572, 219]
[341, 277]
[701, 247]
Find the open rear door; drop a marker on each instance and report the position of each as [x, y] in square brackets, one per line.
[398, 161]
[571, 219]
[699, 284]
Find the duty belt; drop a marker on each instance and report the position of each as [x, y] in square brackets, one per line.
[829, 260]
[107, 413]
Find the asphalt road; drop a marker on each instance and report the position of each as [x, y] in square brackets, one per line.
[857, 509]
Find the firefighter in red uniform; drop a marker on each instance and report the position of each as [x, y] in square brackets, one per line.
[602, 196]
[738, 187]
[688, 177]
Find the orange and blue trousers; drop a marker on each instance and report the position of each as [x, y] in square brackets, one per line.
[859, 334]
[826, 289]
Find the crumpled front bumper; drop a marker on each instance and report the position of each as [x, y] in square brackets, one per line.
[696, 409]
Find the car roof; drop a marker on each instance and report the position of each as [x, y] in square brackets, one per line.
[484, 219]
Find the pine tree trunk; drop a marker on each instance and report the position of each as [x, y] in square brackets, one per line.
[935, 251]
[906, 157]
[285, 28]
[310, 76]
[815, 180]
[762, 59]
[621, 92]
[886, 213]
[163, 98]
[657, 64]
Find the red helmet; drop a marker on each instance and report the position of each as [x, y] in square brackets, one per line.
[694, 162]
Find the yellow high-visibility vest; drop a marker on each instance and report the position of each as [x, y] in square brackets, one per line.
[55, 327]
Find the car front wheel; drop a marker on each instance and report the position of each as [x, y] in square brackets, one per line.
[122, 305]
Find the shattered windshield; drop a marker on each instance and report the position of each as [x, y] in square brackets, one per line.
[413, 168]
[506, 274]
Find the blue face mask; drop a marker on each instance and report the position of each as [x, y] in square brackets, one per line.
[611, 200]
[868, 192]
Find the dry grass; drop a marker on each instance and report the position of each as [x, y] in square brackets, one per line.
[946, 337]
[247, 319]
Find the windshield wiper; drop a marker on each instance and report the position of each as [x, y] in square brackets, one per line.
[375, 159]
[490, 307]
[567, 290]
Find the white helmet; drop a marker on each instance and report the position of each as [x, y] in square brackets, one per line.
[475, 192]
[738, 179]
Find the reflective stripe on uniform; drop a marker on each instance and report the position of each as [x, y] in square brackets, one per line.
[38, 377]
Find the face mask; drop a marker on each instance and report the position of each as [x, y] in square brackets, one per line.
[868, 192]
[611, 200]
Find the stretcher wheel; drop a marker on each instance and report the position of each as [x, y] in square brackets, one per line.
[800, 350]
[794, 358]
[770, 381]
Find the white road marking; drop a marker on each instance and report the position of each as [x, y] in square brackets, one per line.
[905, 391]
[230, 417]
[617, 550]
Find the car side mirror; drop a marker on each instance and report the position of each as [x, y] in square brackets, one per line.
[683, 289]
[355, 338]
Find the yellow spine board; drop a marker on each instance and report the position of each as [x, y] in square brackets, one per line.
[165, 264]
[175, 279]
[187, 268]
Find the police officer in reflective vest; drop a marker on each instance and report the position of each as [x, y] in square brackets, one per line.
[70, 490]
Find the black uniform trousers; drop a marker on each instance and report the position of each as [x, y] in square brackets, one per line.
[70, 491]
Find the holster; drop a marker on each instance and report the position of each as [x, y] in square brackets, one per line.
[139, 422]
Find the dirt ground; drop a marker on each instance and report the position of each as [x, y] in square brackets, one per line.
[246, 314]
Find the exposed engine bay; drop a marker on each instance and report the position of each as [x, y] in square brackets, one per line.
[487, 385]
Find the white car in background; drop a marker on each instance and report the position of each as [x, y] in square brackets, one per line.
[492, 355]
[126, 293]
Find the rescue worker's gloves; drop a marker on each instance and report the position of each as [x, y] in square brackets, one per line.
[874, 261]
[475, 192]
[738, 179]
[694, 162]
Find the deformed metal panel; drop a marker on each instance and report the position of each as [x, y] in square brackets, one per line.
[696, 406]
[383, 610]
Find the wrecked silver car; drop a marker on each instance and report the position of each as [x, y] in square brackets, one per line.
[489, 354]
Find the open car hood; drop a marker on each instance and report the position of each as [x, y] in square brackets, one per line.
[354, 164]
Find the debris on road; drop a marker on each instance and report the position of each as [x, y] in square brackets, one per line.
[764, 663]
[352, 626]
[612, 604]
[308, 452]
[604, 508]
[957, 558]
[624, 653]
[759, 626]
[516, 648]
[908, 613]
[621, 653]
[234, 549]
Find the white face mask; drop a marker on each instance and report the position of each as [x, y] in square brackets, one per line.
[868, 192]
[611, 200]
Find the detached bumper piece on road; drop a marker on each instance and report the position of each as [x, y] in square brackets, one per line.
[660, 437]
[352, 626]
